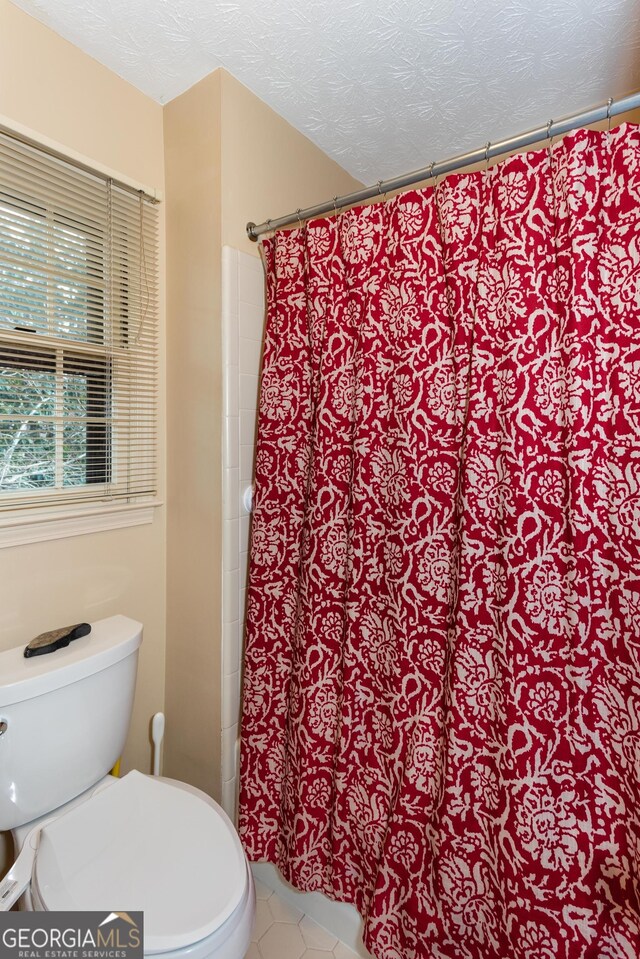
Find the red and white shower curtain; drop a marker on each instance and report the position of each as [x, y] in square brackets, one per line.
[441, 715]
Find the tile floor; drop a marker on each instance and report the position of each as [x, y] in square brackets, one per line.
[283, 932]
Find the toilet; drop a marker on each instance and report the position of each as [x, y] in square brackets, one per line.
[88, 841]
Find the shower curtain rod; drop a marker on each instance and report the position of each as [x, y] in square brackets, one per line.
[552, 129]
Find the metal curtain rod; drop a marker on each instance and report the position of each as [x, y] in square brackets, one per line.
[553, 128]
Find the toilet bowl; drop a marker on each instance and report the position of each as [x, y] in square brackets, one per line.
[113, 848]
[139, 843]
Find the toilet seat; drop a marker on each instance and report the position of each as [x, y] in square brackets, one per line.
[165, 848]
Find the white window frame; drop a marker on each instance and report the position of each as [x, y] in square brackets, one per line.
[31, 523]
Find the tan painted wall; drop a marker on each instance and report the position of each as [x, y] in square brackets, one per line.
[59, 93]
[52, 87]
[216, 180]
[268, 168]
[194, 529]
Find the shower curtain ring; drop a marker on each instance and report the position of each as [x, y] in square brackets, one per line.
[549, 137]
[434, 176]
[609, 105]
[486, 155]
[299, 220]
[335, 205]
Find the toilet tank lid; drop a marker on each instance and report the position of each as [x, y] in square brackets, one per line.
[109, 641]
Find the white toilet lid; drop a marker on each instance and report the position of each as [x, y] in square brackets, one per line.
[145, 844]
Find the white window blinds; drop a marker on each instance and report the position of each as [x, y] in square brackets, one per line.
[78, 334]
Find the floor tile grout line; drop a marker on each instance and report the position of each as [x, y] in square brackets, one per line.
[283, 904]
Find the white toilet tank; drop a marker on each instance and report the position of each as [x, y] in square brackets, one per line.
[64, 718]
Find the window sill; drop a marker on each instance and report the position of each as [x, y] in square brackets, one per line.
[39, 525]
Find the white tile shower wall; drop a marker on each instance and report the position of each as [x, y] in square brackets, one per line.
[243, 328]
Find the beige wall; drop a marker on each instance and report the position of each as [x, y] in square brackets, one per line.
[268, 168]
[60, 94]
[229, 159]
[194, 387]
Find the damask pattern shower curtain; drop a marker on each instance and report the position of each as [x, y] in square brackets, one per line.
[441, 719]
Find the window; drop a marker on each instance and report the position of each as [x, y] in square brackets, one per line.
[78, 334]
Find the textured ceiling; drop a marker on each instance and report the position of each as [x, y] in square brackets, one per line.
[382, 86]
